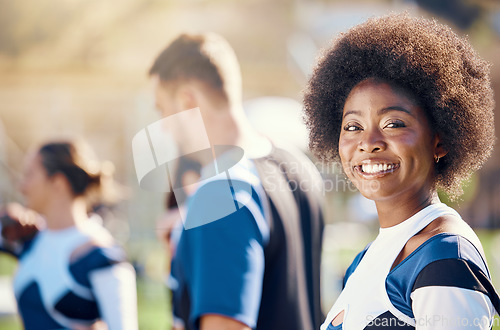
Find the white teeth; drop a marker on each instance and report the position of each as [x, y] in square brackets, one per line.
[376, 168]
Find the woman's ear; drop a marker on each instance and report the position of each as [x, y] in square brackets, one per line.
[60, 182]
[186, 97]
[439, 149]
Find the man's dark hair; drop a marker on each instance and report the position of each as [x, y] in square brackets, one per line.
[205, 57]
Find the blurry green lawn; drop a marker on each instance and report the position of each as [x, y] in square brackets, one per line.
[10, 323]
[153, 301]
[154, 307]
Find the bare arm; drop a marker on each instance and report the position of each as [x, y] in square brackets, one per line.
[219, 322]
[18, 222]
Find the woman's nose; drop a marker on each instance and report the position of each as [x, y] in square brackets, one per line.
[372, 141]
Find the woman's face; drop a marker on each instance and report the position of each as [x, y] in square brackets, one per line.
[386, 146]
[36, 184]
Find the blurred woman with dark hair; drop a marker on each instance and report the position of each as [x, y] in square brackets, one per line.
[71, 272]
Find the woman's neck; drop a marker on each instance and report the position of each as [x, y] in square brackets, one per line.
[66, 213]
[391, 213]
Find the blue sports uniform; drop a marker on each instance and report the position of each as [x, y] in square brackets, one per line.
[443, 284]
[72, 278]
[255, 265]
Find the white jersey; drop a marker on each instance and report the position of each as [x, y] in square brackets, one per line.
[443, 284]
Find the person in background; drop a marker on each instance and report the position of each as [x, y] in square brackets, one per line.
[71, 273]
[258, 267]
[169, 225]
[407, 106]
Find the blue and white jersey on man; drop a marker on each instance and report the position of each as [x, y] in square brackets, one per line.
[443, 284]
[250, 247]
[66, 280]
[221, 261]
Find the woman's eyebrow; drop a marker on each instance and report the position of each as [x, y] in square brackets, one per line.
[395, 108]
[381, 111]
[351, 112]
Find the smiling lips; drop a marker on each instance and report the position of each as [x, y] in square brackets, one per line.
[376, 169]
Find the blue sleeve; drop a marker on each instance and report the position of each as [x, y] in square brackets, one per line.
[96, 258]
[224, 264]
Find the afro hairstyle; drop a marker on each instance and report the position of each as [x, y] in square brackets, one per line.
[427, 59]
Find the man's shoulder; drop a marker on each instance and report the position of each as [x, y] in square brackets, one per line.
[228, 195]
[289, 154]
[299, 170]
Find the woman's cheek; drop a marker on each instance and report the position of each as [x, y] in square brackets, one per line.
[345, 152]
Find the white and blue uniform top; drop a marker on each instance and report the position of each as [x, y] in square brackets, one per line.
[443, 284]
[73, 277]
[249, 244]
[223, 281]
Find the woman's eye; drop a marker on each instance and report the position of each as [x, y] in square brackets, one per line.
[351, 127]
[395, 124]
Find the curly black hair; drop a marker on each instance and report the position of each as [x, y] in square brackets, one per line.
[440, 69]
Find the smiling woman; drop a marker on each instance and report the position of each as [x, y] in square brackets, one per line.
[386, 137]
[399, 101]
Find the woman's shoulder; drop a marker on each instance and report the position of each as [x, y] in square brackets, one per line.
[445, 237]
[443, 246]
[445, 259]
[94, 230]
[90, 256]
[98, 250]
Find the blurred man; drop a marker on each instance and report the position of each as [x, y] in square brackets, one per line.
[257, 267]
